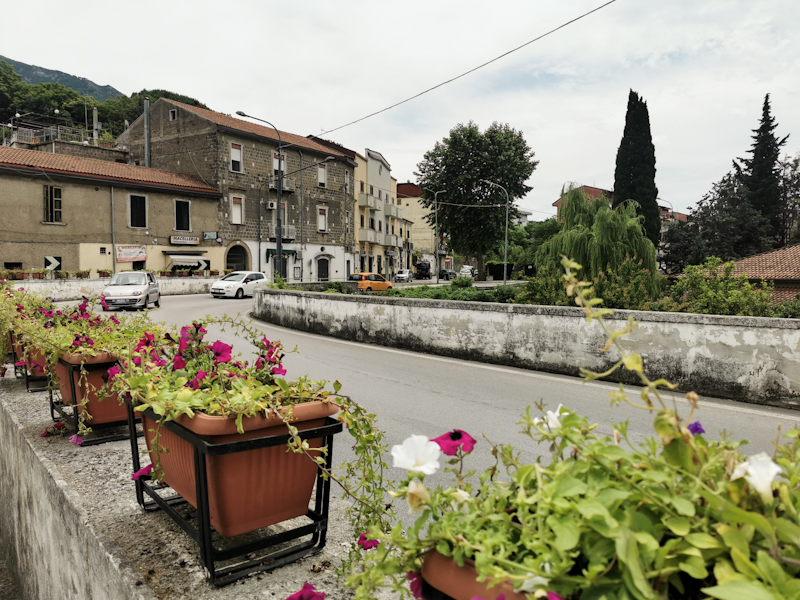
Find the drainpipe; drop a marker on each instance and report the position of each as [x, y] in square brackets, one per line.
[147, 132]
[302, 218]
[113, 235]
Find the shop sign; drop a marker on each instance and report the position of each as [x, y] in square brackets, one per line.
[184, 240]
[131, 253]
[209, 235]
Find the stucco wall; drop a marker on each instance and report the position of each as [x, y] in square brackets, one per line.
[752, 359]
[75, 289]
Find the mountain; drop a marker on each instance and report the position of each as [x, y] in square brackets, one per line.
[33, 74]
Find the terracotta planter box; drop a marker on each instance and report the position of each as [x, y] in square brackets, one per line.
[38, 275]
[36, 360]
[61, 274]
[442, 573]
[107, 411]
[246, 490]
[18, 275]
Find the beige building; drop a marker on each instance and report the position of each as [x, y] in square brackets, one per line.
[69, 213]
[423, 238]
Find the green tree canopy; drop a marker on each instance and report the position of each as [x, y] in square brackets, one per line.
[471, 212]
[635, 172]
[599, 238]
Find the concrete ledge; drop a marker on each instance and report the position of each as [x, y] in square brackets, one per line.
[751, 359]
[70, 526]
[75, 289]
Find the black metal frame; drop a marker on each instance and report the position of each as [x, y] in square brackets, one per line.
[431, 593]
[22, 372]
[209, 555]
[72, 417]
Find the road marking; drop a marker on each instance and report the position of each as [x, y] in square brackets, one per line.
[535, 374]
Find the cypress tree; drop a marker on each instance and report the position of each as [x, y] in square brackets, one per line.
[635, 172]
[762, 174]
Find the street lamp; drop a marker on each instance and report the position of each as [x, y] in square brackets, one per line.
[505, 251]
[436, 231]
[278, 189]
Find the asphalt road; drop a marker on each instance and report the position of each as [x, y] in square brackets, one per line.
[429, 395]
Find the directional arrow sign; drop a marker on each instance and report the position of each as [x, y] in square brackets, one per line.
[202, 265]
[50, 262]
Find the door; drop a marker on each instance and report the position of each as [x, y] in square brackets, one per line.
[322, 269]
[236, 259]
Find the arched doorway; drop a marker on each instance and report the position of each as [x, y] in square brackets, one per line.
[237, 259]
[323, 269]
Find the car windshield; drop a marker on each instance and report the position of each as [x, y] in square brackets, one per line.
[234, 277]
[128, 279]
[355, 277]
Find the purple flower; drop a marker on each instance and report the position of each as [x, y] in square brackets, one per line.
[114, 319]
[451, 441]
[76, 439]
[21, 363]
[221, 351]
[367, 544]
[195, 383]
[550, 596]
[695, 428]
[58, 425]
[307, 593]
[415, 583]
[178, 362]
[143, 471]
[278, 370]
[113, 372]
[45, 433]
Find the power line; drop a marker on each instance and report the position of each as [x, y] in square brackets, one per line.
[586, 14]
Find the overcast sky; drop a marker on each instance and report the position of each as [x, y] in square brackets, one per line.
[703, 67]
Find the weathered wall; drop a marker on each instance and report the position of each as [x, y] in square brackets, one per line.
[752, 359]
[75, 289]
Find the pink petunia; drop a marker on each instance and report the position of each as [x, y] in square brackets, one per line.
[415, 583]
[58, 425]
[195, 383]
[45, 433]
[76, 439]
[143, 471]
[178, 362]
[451, 441]
[551, 596]
[367, 544]
[221, 351]
[307, 593]
[278, 370]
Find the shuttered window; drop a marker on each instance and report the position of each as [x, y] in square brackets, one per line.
[182, 222]
[138, 211]
[236, 158]
[237, 210]
[52, 204]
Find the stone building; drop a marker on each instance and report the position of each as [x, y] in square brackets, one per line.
[423, 238]
[68, 213]
[240, 160]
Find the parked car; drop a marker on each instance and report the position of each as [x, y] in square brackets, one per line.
[447, 274]
[423, 270]
[368, 282]
[237, 284]
[131, 289]
[404, 276]
[466, 271]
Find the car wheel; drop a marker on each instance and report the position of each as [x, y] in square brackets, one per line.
[368, 290]
[157, 303]
[239, 294]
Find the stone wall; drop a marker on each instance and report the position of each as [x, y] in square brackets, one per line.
[752, 359]
[75, 289]
[119, 155]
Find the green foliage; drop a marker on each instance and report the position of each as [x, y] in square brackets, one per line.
[462, 282]
[546, 289]
[600, 238]
[711, 288]
[788, 310]
[456, 166]
[683, 245]
[628, 287]
[635, 172]
[461, 291]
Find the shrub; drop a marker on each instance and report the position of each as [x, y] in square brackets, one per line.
[545, 289]
[788, 310]
[462, 282]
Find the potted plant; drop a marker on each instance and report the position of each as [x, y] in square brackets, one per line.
[17, 274]
[165, 273]
[61, 274]
[81, 274]
[226, 271]
[39, 273]
[213, 273]
[103, 273]
[181, 273]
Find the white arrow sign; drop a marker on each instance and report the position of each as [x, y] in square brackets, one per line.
[51, 263]
[202, 265]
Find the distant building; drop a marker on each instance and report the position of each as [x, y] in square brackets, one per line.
[423, 236]
[780, 267]
[522, 217]
[589, 192]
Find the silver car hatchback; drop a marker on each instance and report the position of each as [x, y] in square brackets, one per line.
[131, 289]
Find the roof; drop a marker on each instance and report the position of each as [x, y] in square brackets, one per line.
[259, 130]
[409, 190]
[63, 164]
[781, 265]
[588, 191]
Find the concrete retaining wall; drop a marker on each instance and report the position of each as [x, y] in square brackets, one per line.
[74, 289]
[752, 359]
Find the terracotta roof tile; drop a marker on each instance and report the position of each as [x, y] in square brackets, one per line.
[783, 294]
[101, 169]
[782, 264]
[259, 130]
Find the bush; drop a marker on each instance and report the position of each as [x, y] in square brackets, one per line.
[546, 289]
[334, 287]
[462, 282]
[788, 310]
[627, 287]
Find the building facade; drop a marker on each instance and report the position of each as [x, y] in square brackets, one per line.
[63, 212]
[423, 238]
[240, 160]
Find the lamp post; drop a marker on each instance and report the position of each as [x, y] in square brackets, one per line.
[505, 251]
[436, 230]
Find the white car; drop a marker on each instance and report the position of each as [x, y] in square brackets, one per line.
[404, 275]
[466, 271]
[237, 284]
[131, 289]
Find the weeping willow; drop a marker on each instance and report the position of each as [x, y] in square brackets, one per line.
[598, 237]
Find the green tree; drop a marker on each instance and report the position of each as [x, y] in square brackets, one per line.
[683, 245]
[790, 198]
[599, 238]
[762, 175]
[635, 172]
[12, 87]
[471, 212]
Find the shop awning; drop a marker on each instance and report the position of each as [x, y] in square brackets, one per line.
[186, 260]
[285, 253]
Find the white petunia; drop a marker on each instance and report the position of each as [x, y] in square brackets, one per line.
[532, 584]
[759, 471]
[417, 454]
[552, 418]
[417, 497]
[460, 501]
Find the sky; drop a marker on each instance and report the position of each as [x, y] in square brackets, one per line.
[703, 67]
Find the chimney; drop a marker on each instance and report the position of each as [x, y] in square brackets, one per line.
[147, 132]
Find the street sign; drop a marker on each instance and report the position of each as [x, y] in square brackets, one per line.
[51, 263]
[202, 264]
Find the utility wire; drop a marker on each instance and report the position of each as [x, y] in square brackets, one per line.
[586, 14]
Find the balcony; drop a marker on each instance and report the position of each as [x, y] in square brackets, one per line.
[391, 210]
[379, 204]
[366, 200]
[379, 238]
[288, 232]
[289, 184]
[366, 235]
[390, 239]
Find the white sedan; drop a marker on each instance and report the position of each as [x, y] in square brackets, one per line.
[237, 284]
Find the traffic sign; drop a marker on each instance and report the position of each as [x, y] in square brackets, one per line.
[203, 265]
[51, 262]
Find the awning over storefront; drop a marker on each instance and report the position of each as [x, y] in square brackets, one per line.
[286, 253]
[186, 260]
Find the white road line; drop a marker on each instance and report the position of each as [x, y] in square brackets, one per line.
[534, 374]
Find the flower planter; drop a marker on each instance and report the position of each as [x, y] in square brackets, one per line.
[18, 275]
[37, 362]
[109, 410]
[459, 583]
[247, 490]
[38, 275]
[104, 273]
[61, 274]
[81, 275]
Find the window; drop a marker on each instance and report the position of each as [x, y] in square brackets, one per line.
[322, 219]
[322, 175]
[379, 195]
[52, 204]
[372, 223]
[237, 210]
[236, 158]
[182, 222]
[275, 163]
[362, 220]
[173, 114]
[362, 186]
[392, 229]
[347, 182]
[371, 191]
[380, 225]
[138, 211]
[347, 221]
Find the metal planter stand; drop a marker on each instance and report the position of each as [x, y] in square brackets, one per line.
[72, 417]
[202, 534]
[431, 593]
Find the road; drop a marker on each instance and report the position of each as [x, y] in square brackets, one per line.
[429, 395]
